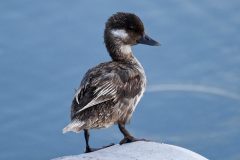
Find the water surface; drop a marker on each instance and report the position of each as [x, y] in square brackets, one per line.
[47, 46]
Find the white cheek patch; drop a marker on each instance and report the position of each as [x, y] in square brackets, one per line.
[126, 49]
[120, 33]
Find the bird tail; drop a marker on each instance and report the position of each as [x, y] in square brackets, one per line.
[74, 126]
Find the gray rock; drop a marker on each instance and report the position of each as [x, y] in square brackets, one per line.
[138, 151]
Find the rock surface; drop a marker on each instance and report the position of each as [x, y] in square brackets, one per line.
[138, 151]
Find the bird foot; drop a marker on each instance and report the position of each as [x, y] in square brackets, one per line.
[131, 139]
[88, 149]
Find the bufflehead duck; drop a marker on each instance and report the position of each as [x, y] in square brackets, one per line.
[109, 92]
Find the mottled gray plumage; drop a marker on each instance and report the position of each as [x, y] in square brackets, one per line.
[109, 92]
[114, 88]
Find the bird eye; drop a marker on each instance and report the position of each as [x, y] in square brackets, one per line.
[131, 28]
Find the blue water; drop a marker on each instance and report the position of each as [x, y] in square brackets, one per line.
[47, 46]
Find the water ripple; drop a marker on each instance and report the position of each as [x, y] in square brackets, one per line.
[194, 88]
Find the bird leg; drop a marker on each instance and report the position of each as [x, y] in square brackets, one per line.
[128, 138]
[88, 148]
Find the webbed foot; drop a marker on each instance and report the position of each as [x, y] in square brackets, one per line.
[131, 139]
[89, 149]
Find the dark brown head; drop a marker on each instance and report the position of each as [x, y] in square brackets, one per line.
[123, 30]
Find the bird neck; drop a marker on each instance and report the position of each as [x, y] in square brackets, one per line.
[118, 50]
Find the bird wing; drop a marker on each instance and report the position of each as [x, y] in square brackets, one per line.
[101, 89]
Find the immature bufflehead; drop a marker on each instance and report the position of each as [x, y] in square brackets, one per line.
[109, 92]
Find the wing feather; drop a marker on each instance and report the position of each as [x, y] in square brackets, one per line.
[103, 88]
